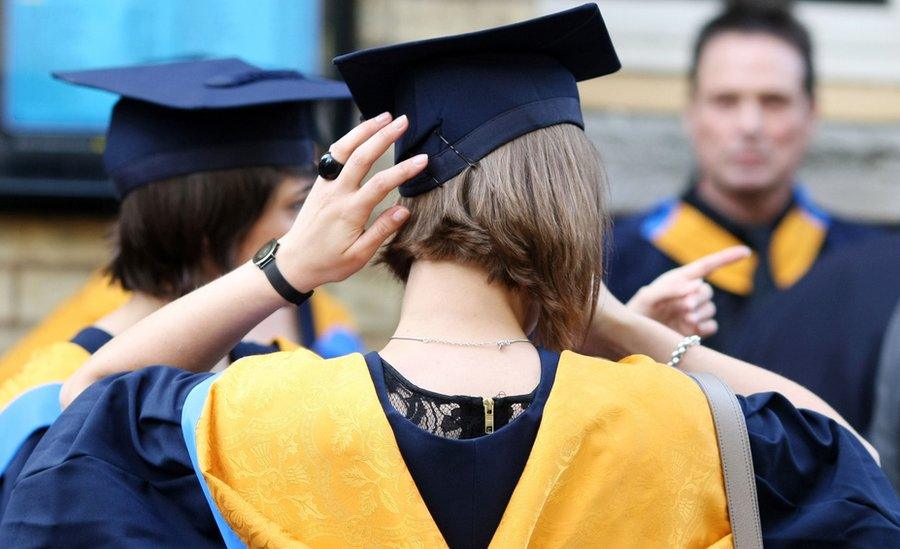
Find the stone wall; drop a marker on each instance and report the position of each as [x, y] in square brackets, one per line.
[43, 259]
[852, 169]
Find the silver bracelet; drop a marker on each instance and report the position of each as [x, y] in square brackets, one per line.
[682, 348]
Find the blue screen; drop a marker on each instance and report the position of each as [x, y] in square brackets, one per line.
[41, 36]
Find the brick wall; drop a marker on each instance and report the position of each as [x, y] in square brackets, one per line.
[391, 21]
[851, 169]
[43, 259]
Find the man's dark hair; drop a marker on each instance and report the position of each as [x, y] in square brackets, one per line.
[175, 235]
[763, 18]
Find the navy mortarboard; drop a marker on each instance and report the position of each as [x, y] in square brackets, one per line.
[468, 94]
[179, 118]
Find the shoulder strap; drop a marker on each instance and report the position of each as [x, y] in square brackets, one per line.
[737, 463]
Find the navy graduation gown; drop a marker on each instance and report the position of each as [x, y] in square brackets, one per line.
[823, 332]
[466, 483]
[114, 469]
[91, 339]
[826, 332]
[634, 262]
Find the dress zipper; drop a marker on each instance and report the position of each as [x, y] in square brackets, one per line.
[488, 415]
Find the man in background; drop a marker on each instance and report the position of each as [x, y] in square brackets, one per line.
[750, 117]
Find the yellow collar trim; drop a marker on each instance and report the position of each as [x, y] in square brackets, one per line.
[796, 245]
[685, 234]
[297, 451]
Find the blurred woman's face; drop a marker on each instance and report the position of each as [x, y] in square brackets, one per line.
[277, 217]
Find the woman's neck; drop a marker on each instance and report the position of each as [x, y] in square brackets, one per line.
[452, 302]
[140, 305]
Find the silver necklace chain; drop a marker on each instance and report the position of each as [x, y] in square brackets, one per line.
[500, 343]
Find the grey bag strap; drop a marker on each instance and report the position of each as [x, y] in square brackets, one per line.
[737, 463]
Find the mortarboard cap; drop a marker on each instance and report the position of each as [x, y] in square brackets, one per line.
[468, 94]
[180, 118]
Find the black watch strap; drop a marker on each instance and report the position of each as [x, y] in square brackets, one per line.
[282, 286]
[265, 260]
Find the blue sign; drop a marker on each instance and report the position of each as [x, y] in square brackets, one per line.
[41, 36]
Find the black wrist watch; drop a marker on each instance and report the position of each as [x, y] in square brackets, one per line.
[265, 260]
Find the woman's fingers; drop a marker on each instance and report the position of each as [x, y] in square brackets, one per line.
[708, 264]
[683, 286]
[707, 328]
[344, 147]
[388, 223]
[704, 312]
[329, 241]
[703, 293]
[381, 184]
[661, 294]
[671, 285]
[365, 155]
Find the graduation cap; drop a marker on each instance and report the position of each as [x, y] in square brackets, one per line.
[180, 118]
[468, 94]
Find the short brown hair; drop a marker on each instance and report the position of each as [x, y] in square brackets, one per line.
[770, 19]
[531, 214]
[173, 236]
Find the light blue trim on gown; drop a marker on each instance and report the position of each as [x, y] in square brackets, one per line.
[30, 411]
[190, 416]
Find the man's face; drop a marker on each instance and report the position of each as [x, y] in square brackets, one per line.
[749, 118]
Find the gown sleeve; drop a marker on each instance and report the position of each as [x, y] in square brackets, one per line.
[817, 485]
[113, 470]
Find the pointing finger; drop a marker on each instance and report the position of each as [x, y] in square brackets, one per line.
[707, 265]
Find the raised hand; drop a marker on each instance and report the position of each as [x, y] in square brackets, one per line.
[329, 240]
[681, 299]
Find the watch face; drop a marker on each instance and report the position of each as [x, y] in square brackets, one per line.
[267, 251]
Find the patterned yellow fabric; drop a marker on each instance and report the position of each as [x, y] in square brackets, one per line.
[624, 454]
[97, 298]
[51, 364]
[297, 451]
[287, 453]
[796, 243]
